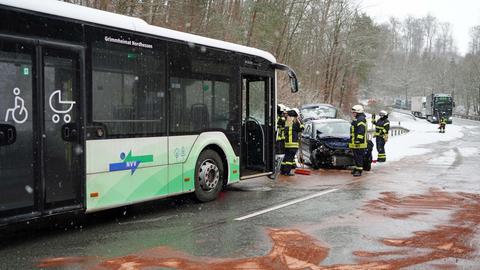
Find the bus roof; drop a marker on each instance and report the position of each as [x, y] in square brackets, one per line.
[86, 14]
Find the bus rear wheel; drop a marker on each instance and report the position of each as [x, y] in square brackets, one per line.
[208, 176]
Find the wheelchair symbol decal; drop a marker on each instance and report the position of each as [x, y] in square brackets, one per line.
[18, 109]
[65, 104]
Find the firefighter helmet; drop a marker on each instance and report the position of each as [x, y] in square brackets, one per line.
[383, 113]
[294, 112]
[357, 109]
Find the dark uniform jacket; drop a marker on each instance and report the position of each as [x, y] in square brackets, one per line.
[382, 126]
[280, 128]
[358, 132]
[292, 134]
[443, 121]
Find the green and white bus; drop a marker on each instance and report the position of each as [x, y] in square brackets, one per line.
[100, 110]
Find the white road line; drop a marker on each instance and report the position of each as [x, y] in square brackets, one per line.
[286, 204]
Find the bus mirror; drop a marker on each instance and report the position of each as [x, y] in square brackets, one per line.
[291, 75]
[293, 81]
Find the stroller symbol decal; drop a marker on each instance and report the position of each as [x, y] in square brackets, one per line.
[67, 106]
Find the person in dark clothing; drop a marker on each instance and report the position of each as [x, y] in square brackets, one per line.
[280, 139]
[293, 129]
[382, 126]
[358, 138]
[443, 123]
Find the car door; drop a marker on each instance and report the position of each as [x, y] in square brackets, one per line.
[305, 142]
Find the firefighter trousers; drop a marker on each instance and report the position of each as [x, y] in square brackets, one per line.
[442, 128]
[358, 158]
[380, 141]
[288, 162]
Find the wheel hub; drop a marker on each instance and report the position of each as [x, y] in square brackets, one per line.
[209, 175]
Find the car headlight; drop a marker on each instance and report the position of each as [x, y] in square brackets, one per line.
[450, 118]
[434, 118]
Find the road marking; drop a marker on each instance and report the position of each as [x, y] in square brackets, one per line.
[286, 204]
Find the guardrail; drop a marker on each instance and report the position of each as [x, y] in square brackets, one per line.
[470, 117]
[394, 131]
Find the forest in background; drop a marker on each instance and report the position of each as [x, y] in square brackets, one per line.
[340, 54]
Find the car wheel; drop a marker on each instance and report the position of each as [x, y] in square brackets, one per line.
[208, 176]
[315, 163]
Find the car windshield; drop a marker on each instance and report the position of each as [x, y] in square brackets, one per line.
[335, 128]
[318, 112]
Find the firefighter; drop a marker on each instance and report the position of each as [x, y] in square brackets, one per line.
[280, 140]
[358, 139]
[293, 129]
[382, 126]
[443, 123]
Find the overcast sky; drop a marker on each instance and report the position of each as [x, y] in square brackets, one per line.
[462, 14]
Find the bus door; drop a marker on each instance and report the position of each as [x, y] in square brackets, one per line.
[62, 147]
[257, 150]
[17, 139]
[41, 153]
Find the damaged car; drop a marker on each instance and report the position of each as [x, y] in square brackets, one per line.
[324, 144]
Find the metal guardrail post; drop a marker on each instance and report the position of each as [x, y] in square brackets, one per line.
[394, 131]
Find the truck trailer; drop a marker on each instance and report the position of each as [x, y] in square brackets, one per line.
[418, 107]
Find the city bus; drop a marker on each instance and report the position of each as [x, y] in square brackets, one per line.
[100, 110]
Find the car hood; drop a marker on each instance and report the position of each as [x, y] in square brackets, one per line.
[335, 142]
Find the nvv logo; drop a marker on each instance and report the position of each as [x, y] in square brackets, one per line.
[130, 162]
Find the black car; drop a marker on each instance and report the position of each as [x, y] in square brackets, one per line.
[324, 143]
[320, 111]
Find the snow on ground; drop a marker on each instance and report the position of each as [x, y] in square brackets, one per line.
[445, 159]
[414, 142]
[469, 151]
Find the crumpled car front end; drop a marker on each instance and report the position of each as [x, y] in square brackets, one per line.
[331, 151]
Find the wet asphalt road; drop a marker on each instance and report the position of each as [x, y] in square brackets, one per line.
[422, 212]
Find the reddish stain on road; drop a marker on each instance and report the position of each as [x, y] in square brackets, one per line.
[293, 249]
[451, 240]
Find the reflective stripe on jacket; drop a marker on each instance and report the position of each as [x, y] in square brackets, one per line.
[382, 126]
[292, 135]
[358, 132]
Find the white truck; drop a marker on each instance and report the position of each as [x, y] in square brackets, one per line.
[418, 108]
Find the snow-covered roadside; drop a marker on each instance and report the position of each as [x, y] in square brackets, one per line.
[421, 133]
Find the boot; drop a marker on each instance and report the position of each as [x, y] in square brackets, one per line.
[357, 173]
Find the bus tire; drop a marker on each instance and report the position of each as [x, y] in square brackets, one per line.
[208, 176]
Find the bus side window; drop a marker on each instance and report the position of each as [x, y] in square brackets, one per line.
[128, 90]
[200, 90]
